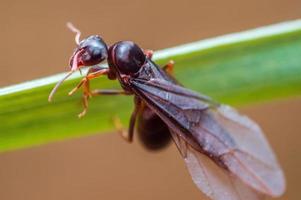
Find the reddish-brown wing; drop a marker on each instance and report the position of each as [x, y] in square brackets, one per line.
[234, 142]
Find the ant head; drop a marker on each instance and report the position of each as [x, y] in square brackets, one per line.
[126, 57]
[90, 51]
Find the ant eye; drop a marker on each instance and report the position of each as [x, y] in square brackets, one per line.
[129, 57]
[95, 50]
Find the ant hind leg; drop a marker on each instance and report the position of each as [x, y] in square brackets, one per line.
[169, 67]
[128, 135]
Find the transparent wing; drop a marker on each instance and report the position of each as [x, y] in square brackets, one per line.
[231, 140]
[252, 159]
[214, 181]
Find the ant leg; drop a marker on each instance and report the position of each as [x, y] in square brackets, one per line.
[120, 129]
[92, 73]
[169, 67]
[88, 94]
[128, 135]
[149, 53]
[85, 82]
[109, 92]
[85, 104]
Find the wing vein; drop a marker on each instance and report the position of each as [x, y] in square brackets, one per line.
[247, 169]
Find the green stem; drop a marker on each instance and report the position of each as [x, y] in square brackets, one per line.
[242, 68]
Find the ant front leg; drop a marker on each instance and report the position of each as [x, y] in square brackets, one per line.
[87, 93]
[93, 72]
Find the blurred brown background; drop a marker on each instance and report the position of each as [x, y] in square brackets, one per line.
[35, 43]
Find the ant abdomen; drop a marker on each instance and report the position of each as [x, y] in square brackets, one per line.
[152, 131]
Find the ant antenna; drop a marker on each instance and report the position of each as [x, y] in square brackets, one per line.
[75, 30]
[74, 67]
[58, 84]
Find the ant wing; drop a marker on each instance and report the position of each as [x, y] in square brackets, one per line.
[216, 182]
[252, 159]
[231, 140]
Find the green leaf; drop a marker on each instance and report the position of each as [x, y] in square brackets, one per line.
[237, 69]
